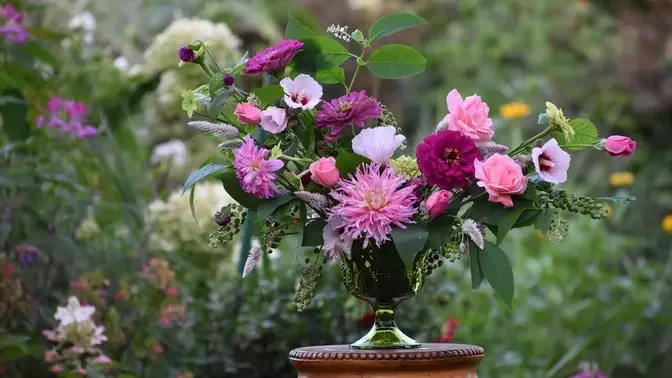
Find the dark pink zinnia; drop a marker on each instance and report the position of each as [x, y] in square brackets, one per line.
[273, 58]
[446, 159]
[352, 109]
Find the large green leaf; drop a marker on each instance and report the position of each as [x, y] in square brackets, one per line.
[312, 233]
[507, 221]
[409, 241]
[439, 229]
[266, 207]
[330, 76]
[347, 162]
[320, 53]
[497, 270]
[543, 221]
[217, 103]
[584, 133]
[296, 30]
[216, 83]
[269, 93]
[14, 112]
[396, 62]
[233, 188]
[205, 171]
[392, 23]
[475, 265]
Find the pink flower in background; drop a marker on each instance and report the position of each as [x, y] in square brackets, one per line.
[273, 58]
[171, 314]
[449, 327]
[446, 159]
[469, 116]
[11, 25]
[551, 162]
[247, 113]
[56, 368]
[438, 202]
[378, 144]
[324, 172]
[67, 116]
[51, 356]
[274, 120]
[501, 177]
[81, 371]
[371, 202]
[617, 145]
[255, 173]
[102, 360]
[301, 93]
[158, 349]
[351, 109]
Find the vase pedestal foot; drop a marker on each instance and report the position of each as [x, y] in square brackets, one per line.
[427, 361]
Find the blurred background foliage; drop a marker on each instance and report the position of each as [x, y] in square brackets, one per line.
[98, 210]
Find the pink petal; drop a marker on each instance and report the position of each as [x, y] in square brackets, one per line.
[454, 101]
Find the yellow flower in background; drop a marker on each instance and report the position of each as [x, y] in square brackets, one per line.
[667, 223]
[621, 179]
[514, 110]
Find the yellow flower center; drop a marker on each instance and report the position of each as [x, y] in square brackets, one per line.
[375, 199]
[451, 155]
[344, 106]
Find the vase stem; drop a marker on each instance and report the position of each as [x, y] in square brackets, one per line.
[384, 334]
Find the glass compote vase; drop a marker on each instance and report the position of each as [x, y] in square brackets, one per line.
[379, 276]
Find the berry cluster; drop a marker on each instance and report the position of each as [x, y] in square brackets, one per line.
[305, 292]
[229, 220]
[577, 204]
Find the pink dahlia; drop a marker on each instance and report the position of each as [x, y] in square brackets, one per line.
[352, 109]
[446, 159]
[255, 173]
[273, 58]
[371, 202]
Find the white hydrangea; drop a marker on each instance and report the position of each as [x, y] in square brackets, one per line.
[162, 53]
[174, 151]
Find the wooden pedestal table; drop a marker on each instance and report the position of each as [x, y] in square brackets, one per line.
[428, 361]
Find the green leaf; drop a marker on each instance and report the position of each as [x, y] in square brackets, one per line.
[205, 171]
[475, 265]
[217, 103]
[191, 203]
[233, 188]
[14, 112]
[584, 133]
[621, 200]
[528, 218]
[439, 229]
[497, 270]
[269, 93]
[42, 54]
[216, 83]
[543, 221]
[240, 66]
[312, 233]
[330, 76]
[266, 207]
[347, 162]
[396, 62]
[393, 23]
[296, 30]
[507, 221]
[409, 241]
[319, 53]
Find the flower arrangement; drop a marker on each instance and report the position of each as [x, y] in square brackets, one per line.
[324, 171]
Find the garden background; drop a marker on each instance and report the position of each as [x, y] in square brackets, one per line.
[104, 218]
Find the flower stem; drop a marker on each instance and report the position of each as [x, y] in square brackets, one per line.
[578, 145]
[295, 159]
[206, 68]
[354, 75]
[530, 141]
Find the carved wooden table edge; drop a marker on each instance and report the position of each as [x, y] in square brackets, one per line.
[427, 361]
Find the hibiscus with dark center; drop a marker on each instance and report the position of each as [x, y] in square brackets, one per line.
[446, 159]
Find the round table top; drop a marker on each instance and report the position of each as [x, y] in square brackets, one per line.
[425, 352]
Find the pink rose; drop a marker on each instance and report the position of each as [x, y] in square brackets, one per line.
[438, 202]
[468, 116]
[274, 120]
[247, 113]
[501, 177]
[324, 172]
[617, 145]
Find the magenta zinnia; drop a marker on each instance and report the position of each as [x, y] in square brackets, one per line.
[371, 202]
[273, 58]
[255, 173]
[446, 159]
[352, 109]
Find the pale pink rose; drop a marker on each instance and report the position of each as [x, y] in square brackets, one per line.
[51, 356]
[247, 113]
[501, 177]
[438, 202]
[102, 359]
[274, 119]
[57, 368]
[173, 291]
[551, 162]
[324, 172]
[468, 116]
[617, 145]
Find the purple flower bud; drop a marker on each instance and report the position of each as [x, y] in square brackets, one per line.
[222, 220]
[228, 80]
[28, 254]
[186, 54]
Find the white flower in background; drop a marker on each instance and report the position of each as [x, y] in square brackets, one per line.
[73, 312]
[122, 64]
[371, 6]
[86, 22]
[377, 144]
[174, 151]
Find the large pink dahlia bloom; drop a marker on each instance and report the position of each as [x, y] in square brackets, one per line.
[446, 159]
[255, 173]
[371, 202]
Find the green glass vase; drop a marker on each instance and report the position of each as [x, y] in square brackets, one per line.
[379, 276]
